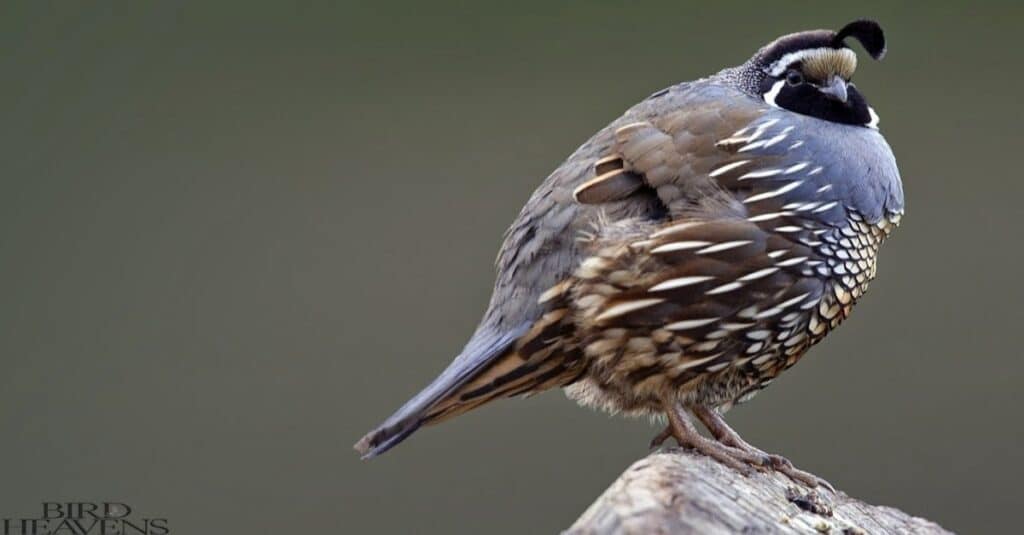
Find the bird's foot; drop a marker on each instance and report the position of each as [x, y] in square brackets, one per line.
[682, 429]
[729, 454]
[777, 463]
[784, 466]
[742, 461]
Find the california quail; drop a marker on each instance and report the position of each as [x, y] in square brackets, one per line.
[689, 252]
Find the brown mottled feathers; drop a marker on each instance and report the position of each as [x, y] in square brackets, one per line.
[631, 171]
[535, 363]
[688, 291]
[612, 183]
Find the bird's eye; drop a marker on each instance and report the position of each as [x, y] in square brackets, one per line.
[794, 78]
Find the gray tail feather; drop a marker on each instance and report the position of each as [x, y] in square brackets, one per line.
[483, 348]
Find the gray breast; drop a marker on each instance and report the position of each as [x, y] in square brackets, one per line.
[852, 166]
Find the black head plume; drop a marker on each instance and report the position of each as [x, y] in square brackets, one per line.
[868, 32]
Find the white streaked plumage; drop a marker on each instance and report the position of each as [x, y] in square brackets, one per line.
[782, 135]
[825, 207]
[679, 246]
[791, 261]
[687, 364]
[724, 246]
[676, 228]
[758, 274]
[724, 288]
[760, 173]
[626, 307]
[790, 302]
[727, 167]
[774, 193]
[679, 283]
[690, 324]
[794, 168]
[769, 216]
[788, 228]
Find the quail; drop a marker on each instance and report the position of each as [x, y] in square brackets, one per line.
[689, 252]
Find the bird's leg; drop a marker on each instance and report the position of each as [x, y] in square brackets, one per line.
[726, 435]
[721, 430]
[682, 429]
[661, 437]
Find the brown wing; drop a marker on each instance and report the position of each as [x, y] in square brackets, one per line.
[665, 159]
[679, 300]
[650, 166]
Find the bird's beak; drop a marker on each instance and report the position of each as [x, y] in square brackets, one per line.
[835, 88]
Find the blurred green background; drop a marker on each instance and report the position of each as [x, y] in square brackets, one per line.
[236, 235]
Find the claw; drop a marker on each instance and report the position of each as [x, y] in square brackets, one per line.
[785, 466]
[728, 438]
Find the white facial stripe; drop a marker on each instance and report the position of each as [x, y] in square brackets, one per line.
[783, 63]
[773, 93]
[874, 119]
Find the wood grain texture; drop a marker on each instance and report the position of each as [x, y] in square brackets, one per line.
[675, 491]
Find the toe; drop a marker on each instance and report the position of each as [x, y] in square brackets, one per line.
[660, 438]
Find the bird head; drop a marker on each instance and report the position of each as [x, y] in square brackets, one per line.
[811, 73]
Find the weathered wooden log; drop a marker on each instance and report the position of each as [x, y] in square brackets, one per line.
[677, 491]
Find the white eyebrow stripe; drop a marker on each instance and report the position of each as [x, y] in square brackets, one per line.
[785, 61]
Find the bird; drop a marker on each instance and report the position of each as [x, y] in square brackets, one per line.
[689, 252]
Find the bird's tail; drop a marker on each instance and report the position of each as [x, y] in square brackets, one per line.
[520, 361]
